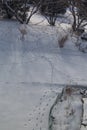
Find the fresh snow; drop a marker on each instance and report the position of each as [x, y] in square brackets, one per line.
[33, 71]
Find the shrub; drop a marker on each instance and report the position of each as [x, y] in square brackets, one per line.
[62, 41]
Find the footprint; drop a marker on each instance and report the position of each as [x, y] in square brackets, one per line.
[40, 98]
[46, 92]
[29, 119]
[25, 124]
[30, 114]
[44, 109]
[34, 110]
[55, 108]
[43, 114]
[44, 95]
[36, 124]
[47, 104]
[39, 108]
[41, 121]
[37, 118]
[40, 103]
[53, 97]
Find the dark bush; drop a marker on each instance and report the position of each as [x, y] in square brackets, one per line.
[15, 8]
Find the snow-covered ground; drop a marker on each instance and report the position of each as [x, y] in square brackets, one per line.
[38, 58]
[26, 106]
[33, 71]
[67, 112]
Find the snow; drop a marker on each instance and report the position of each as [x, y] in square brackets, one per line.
[84, 119]
[33, 71]
[40, 48]
[67, 112]
[25, 106]
[85, 111]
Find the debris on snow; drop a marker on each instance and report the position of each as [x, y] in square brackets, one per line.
[84, 120]
[67, 113]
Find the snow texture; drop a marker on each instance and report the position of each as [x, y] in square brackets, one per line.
[33, 71]
[67, 112]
